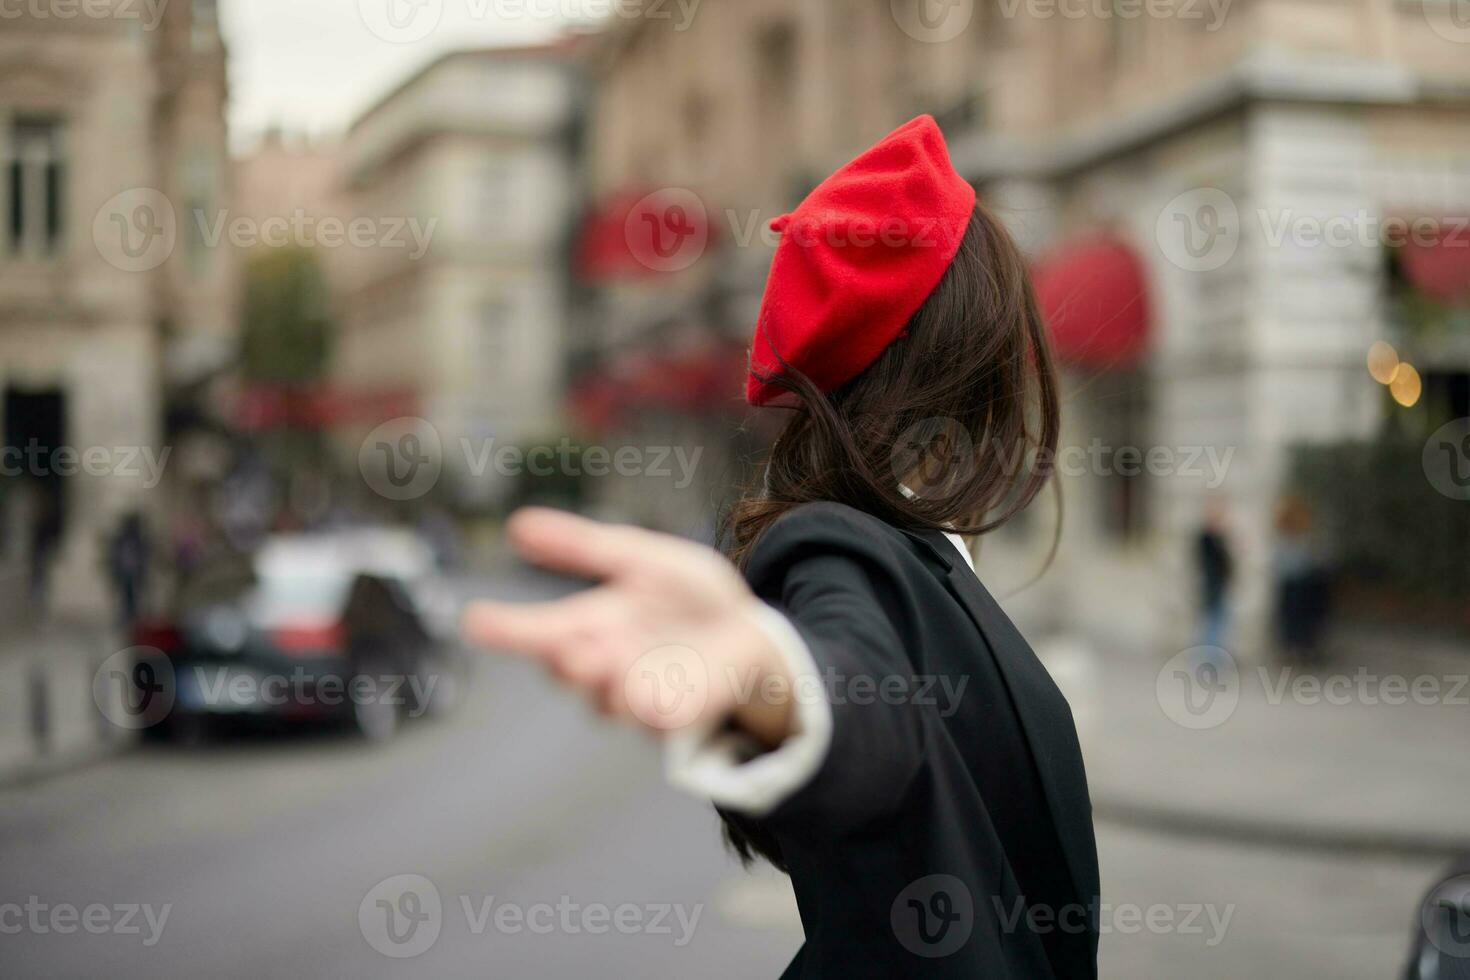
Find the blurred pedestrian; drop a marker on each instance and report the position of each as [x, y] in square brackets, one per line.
[46, 528]
[188, 541]
[1216, 567]
[858, 707]
[127, 566]
[1302, 586]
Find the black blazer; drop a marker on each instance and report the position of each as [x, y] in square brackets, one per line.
[948, 832]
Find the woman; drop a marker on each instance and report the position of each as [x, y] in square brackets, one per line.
[1303, 592]
[855, 703]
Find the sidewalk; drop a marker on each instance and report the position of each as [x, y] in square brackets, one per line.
[48, 718]
[1365, 753]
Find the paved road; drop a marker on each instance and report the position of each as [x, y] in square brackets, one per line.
[264, 852]
[554, 851]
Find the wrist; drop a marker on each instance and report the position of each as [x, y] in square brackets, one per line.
[765, 703]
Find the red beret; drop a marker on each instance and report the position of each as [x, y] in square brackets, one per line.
[858, 258]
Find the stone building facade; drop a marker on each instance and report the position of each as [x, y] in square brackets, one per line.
[468, 319]
[112, 134]
[1259, 171]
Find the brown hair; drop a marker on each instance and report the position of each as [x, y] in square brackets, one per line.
[954, 427]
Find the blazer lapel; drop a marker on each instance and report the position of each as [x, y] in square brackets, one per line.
[1045, 718]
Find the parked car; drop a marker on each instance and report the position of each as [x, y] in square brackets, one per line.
[351, 625]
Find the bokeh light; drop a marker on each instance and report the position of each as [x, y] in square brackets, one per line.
[1406, 386]
[1383, 362]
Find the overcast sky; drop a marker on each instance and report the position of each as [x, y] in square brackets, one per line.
[314, 64]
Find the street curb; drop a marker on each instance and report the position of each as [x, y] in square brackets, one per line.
[39, 770]
[1279, 834]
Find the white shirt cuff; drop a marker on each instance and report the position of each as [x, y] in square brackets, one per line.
[717, 764]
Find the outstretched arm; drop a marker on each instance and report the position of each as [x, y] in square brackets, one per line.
[674, 640]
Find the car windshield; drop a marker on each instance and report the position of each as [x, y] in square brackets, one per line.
[300, 597]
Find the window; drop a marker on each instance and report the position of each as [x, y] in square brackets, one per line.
[994, 28]
[35, 174]
[205, 26]
[1447, 394]
[776, 66]
[697, 113]
[200, 179]
[776, 51]
[496, 335]
[1125, 35]
[776, 80]
[1121, 423]
[496, 194]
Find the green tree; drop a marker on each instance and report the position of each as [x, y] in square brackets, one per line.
[285, 352]
[287, 330]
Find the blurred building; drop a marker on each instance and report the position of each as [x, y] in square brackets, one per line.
[112, 296]
[1249, 179]
[1181, 174]
[286, 173]
[467, 320]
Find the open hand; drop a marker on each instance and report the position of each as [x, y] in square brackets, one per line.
[669, 638]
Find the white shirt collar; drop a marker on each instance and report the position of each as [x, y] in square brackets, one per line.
[959, 543]
[954, 539]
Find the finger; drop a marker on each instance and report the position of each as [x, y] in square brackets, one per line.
[508, 626]
[539, 628]
[581, 546]
[568, 543]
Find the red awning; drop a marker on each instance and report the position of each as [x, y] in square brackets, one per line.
[1440, 266]
[602, 246]
[260, 407]
[702, 381]
[596, 403]
[1094, 296]
[623, 237]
